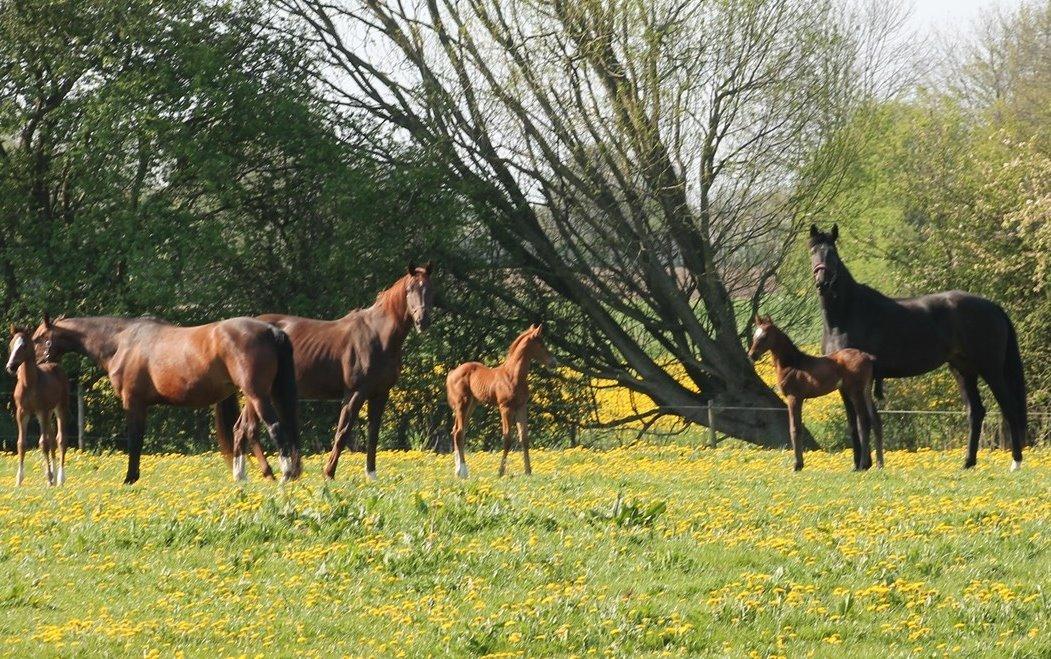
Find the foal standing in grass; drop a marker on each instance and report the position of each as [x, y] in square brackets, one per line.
[801, 376]
[505, 386]
[42, 390]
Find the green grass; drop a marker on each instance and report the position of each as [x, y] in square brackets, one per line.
[625, 552]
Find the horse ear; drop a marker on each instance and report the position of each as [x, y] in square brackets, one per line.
[411, 269]
[814, 231]
[47, 320]
[834, 233]
[427, 267]
[539, 329]
[14, 330]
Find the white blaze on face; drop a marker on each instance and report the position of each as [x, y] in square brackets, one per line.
[16, 345]
[758, 333]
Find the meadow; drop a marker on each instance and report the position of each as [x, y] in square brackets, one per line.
[633, 551]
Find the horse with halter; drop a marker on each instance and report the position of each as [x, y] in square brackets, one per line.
[356, 359]
[505, 386]
[42, 390]
[152, 362]
[912, 336]
[801, 376]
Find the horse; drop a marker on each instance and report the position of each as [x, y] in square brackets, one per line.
[801, 376]
[356, 358]
[152, 362]
[41, 390]
[913, 336]
[505, 386]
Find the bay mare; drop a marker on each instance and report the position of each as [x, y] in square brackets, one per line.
[505, 386]
[912, 336]
[801, 376]
[152, 362]
[41, 391]
[356, 359]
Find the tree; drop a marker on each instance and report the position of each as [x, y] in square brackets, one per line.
[639, 164]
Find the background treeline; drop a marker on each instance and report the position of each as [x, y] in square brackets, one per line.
[191, 160]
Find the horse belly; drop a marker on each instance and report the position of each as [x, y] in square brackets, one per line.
[187, 389]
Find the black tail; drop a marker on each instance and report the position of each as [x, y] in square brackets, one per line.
[226, 413]
[285, 391]
[1014, 375]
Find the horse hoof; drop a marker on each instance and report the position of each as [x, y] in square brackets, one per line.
[461, 471]
[798, 467]
[970, 464]
[1016, 465]
[370, 476]
[130, 480]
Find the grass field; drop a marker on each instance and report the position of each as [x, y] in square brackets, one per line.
[723, 552]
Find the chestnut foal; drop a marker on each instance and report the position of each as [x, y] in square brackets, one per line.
[42, 390]
[504, 386]
[801, 376]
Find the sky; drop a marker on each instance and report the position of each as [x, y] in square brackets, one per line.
[931, 16]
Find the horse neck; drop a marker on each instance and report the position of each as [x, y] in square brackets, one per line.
[95, 337]
[517, 364]
[392, 309]
[29, 373]
[785, 353]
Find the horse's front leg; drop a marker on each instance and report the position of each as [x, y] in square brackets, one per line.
[245, 431]
[523, 437]
[61, 416]
[47, 445]
[864, 424]
[377, 404]
[505, 431]
[347, 416]
[795, 422]
[461, 415]
[135, 418]
[23, 425]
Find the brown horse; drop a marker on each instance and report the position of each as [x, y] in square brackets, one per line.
[356, 358]
[42, 390]
[801, 376]
[152, 362]
[505, 386]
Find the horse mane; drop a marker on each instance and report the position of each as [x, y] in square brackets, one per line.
[517, 343]
[392, 300]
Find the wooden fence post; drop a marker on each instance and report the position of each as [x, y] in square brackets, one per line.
[80, 416]
[711, 425]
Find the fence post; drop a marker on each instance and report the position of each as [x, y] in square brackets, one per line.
[711, 425]
[80, 416]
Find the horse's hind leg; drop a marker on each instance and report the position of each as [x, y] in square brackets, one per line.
[461, 415]
[61, 415]
[975, 410]
[377, 404]
[1014, 413]
[347, 416]
[852, 428]
[245, 432]
[864, 422]
[795, 423]
[876, 424]
[267, 413]
[23, 422]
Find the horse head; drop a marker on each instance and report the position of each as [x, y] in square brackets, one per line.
[824, 258]
[419, 295]
[20, 349]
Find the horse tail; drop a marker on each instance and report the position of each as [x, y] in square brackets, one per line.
[226, 413]
[1014, 374]
[285, 391]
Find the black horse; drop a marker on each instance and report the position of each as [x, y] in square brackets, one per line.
[913, 336]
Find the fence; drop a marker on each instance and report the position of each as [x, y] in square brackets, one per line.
[183, 430]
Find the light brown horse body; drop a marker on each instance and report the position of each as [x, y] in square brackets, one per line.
[152, 362]
[505, 386]
[801, 376]
[356, 359]
[42, 390]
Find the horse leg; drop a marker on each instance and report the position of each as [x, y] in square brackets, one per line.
[876, 425]
[461, 414]
[347, 416]
[377, 404]
[968, 384]
[61, 415]
[864, 422]
[245, 429]
[23, 426]
[46, 442]
[523, 437]
[852, 428]
[136, 424]
[795, 422]
[1013, 412]
[505, 430]
[267, 413]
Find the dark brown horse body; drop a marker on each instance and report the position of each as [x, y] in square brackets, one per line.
[152, 362]
[356, 359]
[912, 336]
[801, 376]
[41, 390]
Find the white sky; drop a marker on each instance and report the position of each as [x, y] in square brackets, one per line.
[940, 16]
